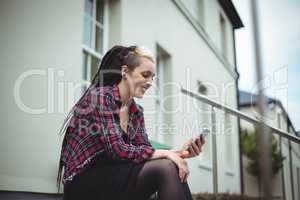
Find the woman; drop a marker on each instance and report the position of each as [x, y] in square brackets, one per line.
[106, 153]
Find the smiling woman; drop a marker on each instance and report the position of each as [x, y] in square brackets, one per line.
[106, 153]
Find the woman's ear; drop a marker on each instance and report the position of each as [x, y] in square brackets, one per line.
[124, 71]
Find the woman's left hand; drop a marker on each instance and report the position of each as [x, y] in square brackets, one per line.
[192, 147]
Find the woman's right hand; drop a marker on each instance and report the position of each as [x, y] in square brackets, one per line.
[181, 164]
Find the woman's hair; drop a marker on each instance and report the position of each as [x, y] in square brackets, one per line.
[109, 73]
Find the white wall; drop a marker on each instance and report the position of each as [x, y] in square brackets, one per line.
[43, 34]
[35, 35]
[114, 21]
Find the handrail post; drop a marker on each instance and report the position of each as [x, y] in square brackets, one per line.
[214, 150]
[264, 131]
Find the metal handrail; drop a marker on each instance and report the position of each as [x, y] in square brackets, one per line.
[239, 114]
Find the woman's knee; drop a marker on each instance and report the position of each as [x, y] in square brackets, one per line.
[166, 167]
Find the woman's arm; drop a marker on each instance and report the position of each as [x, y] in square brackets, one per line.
[159, 153]
[190, 149]
[163, 153]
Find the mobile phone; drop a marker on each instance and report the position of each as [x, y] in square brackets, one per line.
[204, 132]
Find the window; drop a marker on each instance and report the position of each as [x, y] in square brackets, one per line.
[279, 121]
[93, 36]
[201, 11]
[223, 36]
[279, 125]
[228, 134]
[163, 103]
[94, 25]
[196, 9]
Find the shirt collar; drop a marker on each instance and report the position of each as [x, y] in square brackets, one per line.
[116, 93]
[134, 108]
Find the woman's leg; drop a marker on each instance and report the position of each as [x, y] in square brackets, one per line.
[99, 183]
[160, 175]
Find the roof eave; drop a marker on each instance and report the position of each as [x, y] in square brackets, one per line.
[232, 13]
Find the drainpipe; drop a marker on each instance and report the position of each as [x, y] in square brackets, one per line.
[239, 120]
[282, 170]
[291, 166]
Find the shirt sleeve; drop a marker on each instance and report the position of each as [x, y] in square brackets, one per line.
[114, 144]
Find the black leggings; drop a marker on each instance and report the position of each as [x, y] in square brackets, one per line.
[159, 176]
[162, 176]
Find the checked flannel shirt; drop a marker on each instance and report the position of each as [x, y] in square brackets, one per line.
[94, 130]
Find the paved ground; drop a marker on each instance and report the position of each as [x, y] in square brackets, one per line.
[7, 195]
[10, 195]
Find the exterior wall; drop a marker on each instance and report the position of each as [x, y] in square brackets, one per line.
[41, 40]
[35, 35]
[114, 21]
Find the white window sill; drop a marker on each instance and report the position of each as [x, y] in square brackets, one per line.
[229, 173]
[205, 166]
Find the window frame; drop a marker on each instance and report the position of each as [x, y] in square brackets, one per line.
[204, 119]
[91, 52]
[197, 12]
[229, 141]
[223, 35]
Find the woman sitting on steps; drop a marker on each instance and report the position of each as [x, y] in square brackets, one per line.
[106, 153]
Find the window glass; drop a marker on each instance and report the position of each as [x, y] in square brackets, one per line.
[100, 11]
[99, 39]
[87, 33]
[88, 8]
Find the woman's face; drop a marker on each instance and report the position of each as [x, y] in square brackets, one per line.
[141, 78]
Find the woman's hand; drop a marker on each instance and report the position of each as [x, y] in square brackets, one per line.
[191, 148]
[181, 164]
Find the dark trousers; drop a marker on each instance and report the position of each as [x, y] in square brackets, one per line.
[101, 183]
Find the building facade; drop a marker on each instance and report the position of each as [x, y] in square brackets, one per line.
[49, 53]
[286, 183]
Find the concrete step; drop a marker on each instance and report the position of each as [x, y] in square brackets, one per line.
[12, 195]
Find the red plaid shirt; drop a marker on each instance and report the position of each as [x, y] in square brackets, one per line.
[95, 130]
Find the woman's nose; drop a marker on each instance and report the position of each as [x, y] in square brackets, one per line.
[149, 83]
